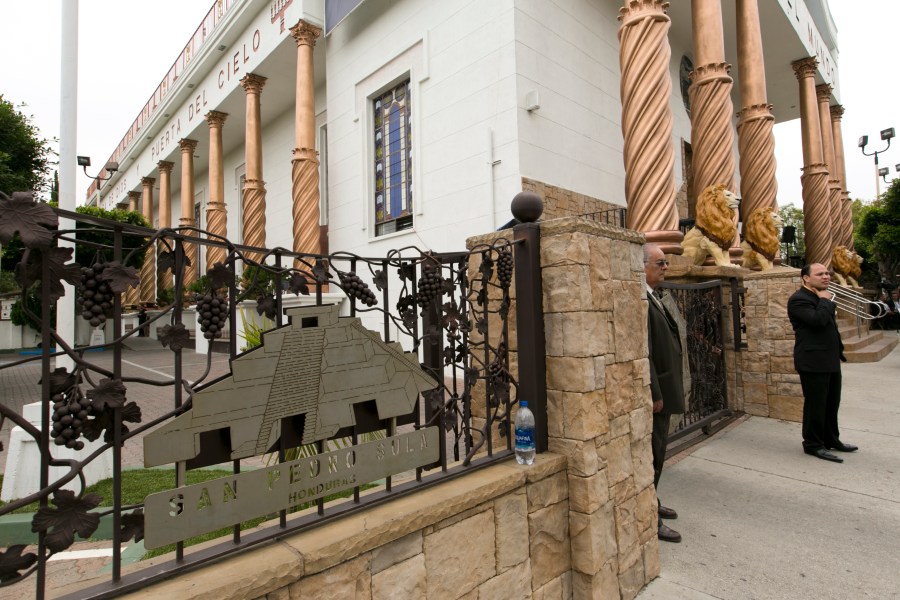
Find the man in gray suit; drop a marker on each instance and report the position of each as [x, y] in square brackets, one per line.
[666, 376]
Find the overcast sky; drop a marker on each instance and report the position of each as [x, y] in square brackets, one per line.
[126, 47]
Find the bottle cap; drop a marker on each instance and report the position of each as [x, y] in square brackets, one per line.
[523, 403]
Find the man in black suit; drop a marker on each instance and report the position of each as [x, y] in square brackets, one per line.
[818, 352]
[666, 378]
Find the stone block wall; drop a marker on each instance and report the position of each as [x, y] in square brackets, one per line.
[560, 202]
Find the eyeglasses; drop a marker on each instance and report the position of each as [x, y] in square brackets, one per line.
[659, 263]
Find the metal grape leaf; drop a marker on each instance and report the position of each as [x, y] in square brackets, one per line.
[266, 305]
[102, 423]
[380, 280]
[12, 561]
[108, 393]
[175, 337]
[70, 517]
[33, 221]
[320, 272]
[59, 270]
[60, 381]
[166, 261]
[220, 276]
[120, 277]
[451, 316]
[297, 284]
[133, 526]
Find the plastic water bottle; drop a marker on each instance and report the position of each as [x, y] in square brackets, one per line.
[524, 434]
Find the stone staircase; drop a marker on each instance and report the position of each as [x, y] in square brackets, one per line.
[871, 346]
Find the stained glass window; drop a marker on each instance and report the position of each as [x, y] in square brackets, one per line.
[393, 160]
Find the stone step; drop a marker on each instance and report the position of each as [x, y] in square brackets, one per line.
[875, 351]
[852, 342]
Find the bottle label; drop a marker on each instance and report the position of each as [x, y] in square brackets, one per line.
[525, 438]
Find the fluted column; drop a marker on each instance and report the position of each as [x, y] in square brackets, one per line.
[646, 87]
[254, 192]
[165, 209]
[823, 95]
[816, 213]
[216, 215]
[132, 295]
[712, 135]
[756, 143]
[187, 206]
[148, 268]
[846, 211]
[305, 162]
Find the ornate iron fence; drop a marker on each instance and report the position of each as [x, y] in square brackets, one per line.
[450, 308]
[700, 304]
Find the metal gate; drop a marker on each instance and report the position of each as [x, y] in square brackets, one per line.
[701, 306]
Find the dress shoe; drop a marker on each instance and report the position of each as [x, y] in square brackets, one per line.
[667, 513]
[667, 534]
[825, 455]
[842, 447]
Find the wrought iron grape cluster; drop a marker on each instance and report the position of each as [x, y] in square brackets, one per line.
[70, 411]
[431, 286]
[95, 297]
[355, 287]
[213, 313]
[504, 268]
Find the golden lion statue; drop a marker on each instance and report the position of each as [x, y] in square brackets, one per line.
[844, 265]
[857, 270]
[714, 229]
[761, 239]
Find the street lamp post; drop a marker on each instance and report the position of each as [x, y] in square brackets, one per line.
[886, 134]
[111, 167]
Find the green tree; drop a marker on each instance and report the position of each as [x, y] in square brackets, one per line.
[791, 216]
[877, 230]
[25, 157]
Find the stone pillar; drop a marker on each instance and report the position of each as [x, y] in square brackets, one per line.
[305, 163]
[132, 294]
[148, 269]
[846, 227]
[816, 213]
[165, 209]
[187, 206]
[823, 95]
[712, 135]
[216, 215]
[646, 87]
[254, 192]
[756, 142]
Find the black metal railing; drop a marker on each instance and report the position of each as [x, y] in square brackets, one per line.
[611, 216]
[451, 308]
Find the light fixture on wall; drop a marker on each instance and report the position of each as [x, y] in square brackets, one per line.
[532, 101]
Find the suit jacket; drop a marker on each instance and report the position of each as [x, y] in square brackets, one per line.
[817, 346]
[666, 379]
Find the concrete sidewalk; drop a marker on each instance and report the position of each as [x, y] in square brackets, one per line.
[762, 520]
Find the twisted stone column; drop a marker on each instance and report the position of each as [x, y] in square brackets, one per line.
[816, 212]
[132, 294]
[148, 268]
[305, 162]
[646, 87]
[216, 215]
[712, 134]
[187, 206]
[756, 143]
[165, 211]
[823, 95]
[846, 211]
[254, 192]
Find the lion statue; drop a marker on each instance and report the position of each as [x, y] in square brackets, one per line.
[714, 229]
[857, 270]
[844, 265]
[761, 239]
